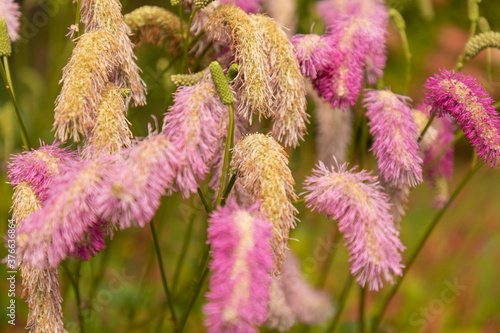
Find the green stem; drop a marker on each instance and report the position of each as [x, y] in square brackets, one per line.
[193, 298]
[185, 245]
[406, 48]
[207, 207]
[228, 189]
[362, 295]
[342, 302]
[427, 126]
[364, 142]
[420, 245]
[77, 16]
[162, 271]
[225, 166]
[298, 201]
[186, 40]
[74, 284]
[331, 256]
[5, 72]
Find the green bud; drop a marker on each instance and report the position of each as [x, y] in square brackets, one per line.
[5, 43]
[232, 72]
[484, 26]
[187, 80]
[480, 42]
[175, 2]
[398, 19]
[473, 10]
[221, 84]
[202, 3]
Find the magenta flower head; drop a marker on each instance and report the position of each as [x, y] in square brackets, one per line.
[359, 205]
[192, 125]
[39, 167]
[9, 12]
[313, 52]
[392, 125]
[133, 188]
[61, 227]
[467, 102]
[241, 264]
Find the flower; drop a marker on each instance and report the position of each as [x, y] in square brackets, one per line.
[392, 124]
[249, 6]
[56, 231]
[130, 194]
[106, 15]
[262, 169]
[241, 262]
[192, 125]
[466, 101]
[9, 12]
[313, 52]
[357, 202]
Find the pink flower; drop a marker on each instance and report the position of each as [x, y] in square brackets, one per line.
[39, 167]
[467, 102]
[61, 227]
[313, 52]
[358, 29]
[132, 191]
[392, 124]
[9, 12]
[445, 134]
[192, 125]
[357, 202]
[241, 263]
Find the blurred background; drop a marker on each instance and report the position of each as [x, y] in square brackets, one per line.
[121, 287]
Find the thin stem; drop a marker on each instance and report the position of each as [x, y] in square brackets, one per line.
[420, 245]
[443, 151]
[74, 284]
[406, 48]
[364, 142]
[185, 245]
[186, 40]
[427, 126]
[298, 201]
[162, 271]
[193, 298]
[331, 256]
[225, 166]
[5, 72]
[343, 299]
[228, 189]
[207, 207]
[77, 16]
[362, 295]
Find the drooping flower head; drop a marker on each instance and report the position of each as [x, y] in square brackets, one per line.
[131, 193]
[106, 15]
[357, 32]
[241, 263]
[95, 57]
[37, 168]
[232, 27]
[467, 102]
[356, 201]
[9, 12]
[192, 125]
[262, 167]
[110, 132]
[313, 52]
[58, 229]
[289, 100]
[392, 124]
[156, 26]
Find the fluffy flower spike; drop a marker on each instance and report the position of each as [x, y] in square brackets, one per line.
[241, 262]
[394, 130]
[467, 102]
[262, 166]
[9, 12]
[357, 202]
